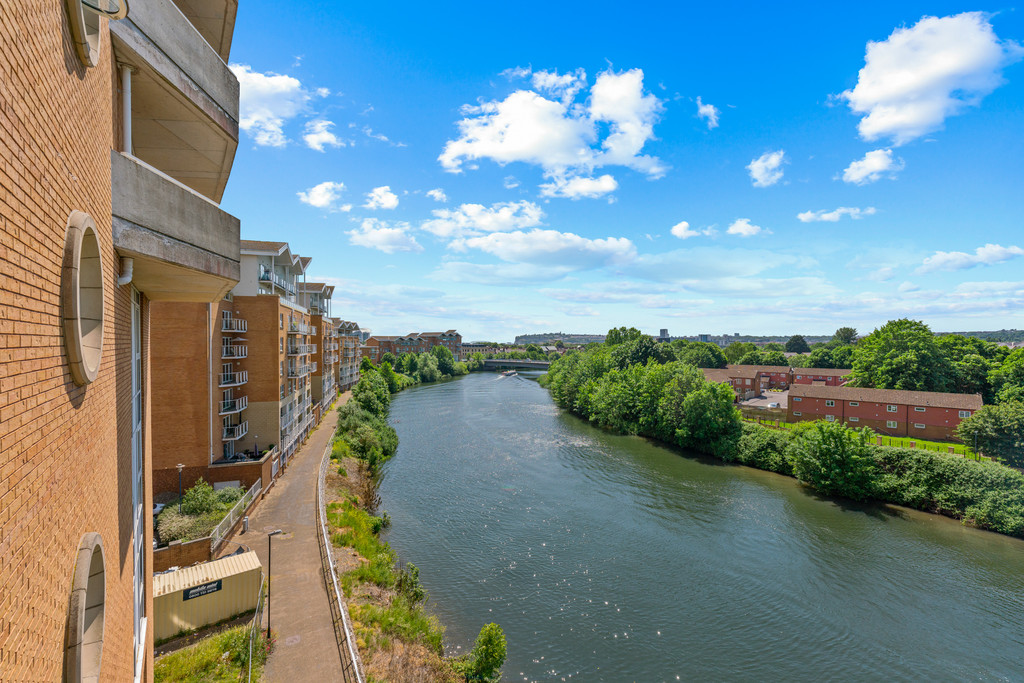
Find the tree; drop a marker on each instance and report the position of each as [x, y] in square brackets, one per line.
[797, 344]
[389, 358]
[366, 364]
[972, 375]
[774, 358]
[845, 335]
[488, 655]
[754, 357]
[445, 359]
[998, 432]
[902, 354]
[620, 335]
[1009, 374]
[702, 355]
[833, 459]
[773, 346]
[372, 394]
[708, 414]
[638, 350]
[736, 350]
[427, 368]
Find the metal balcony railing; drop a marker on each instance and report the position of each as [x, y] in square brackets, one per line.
[234, 405]
[298, 371]
[233, 379]
[301, 349]
[234, 351]
[235, 432]
[300, 328]
[267, 275]
[233, 325]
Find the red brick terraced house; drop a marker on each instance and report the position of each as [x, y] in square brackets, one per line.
[827, 376]
[415, 342]
[751, 380]
[932, 416]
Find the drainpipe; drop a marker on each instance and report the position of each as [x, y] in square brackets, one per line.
[126, 107]
[209, 372]
[126, 271]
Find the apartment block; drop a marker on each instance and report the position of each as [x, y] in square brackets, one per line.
[827, 376]
[316, 296]
[350, 340]
[753, 380]
[416, 342]
[922, 414]
[105, 211]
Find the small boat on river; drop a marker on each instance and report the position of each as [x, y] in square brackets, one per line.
[509, 373]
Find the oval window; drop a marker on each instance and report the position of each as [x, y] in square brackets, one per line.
[82, 298]
[84, 18]
[83, 651]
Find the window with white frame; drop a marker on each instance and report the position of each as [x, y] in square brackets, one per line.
[918, 409]
[830, 404]
[891, 424]
[965, 413]
[797, 398]
[854, 419]
[854, 403]
[797, 413]
[891, 409]
[830, 418]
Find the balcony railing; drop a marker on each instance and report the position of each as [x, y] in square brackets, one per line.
[234, 405]
[233, 325]
[234, 351]
[235, 432]
[300, 328]
[233, 379]
[312, 366]
[267, 275]
[297, 371]
[301, 349]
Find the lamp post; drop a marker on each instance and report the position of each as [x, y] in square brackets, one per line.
[275, 532]
[180, 468]
[256, 445]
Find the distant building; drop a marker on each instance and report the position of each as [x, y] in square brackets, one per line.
[414, 342]
[922, 414]
[704, 338]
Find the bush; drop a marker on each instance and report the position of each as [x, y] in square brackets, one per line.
[227, 497]
[489, 652]
[199, 499]
[834, 459]
[763, 448]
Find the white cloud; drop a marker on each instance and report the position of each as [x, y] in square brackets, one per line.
[883, 274]
[322, 92]
[683, 231]
[324, 196]
[266, 102]
[474, 219]
[516, 72]
[766, 170]
[381, 198]
[438, 195]
[374, 233]
[318, 135]
[708, 112]
[563, 137]
[551, 248]
[510, 182]
[744, 228]
[564, 86]
[835, 215]
[916, 78]
[987, 255]
[873, 166]
[578, 187]
[506, 274]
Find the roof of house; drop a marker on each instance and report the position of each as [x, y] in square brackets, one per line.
[263, 245]
[829, 372]
[716, 374]
[933, 399]
[312, 286]
[754, 370]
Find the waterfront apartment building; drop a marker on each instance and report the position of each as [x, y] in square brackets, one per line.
[349, 342]
[117, 134]
[926, 415]
[415, 342]
[753, 380]
[316, 297]
[244, 371]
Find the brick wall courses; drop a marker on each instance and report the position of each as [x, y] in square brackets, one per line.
[65, 451]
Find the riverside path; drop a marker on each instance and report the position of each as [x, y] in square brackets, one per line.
[300, 613]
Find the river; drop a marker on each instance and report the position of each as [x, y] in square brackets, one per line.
[609, 558]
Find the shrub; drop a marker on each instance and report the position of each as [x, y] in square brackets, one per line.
[227, 497]
[834, 459]
[763, 448]
[484, 662]
[199, 499]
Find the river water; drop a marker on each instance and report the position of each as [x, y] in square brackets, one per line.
[607, 558]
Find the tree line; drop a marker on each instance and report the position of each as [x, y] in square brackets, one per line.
[633, 385]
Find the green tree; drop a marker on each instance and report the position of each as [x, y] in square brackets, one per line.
[998, 431]
[366, 364]
[702, 355]
[774, 358]
[427, 368]
[445, 360]
[372, 394]
[845, 335]
[902, 354]
[709, 413]
[797, 344]
[389, 358]
[485, 661]
[637, 351]
[389, 376]
[1009, 374]
[972, 375]
[833, 459]
[754, 357]
[735, 351]
[773, 346]
[621, 335]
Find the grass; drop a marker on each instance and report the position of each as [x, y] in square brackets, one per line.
[221, 658]
[181, 526]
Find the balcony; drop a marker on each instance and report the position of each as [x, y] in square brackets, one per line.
[235, 432]
[233, 325]
[183, 247]
[233, 379]
[228, 351]
[300, 328]
[234, 405]
[214, 19]
[268, 275]
[185, 107]
[301, 349]
[298, 371]
[318, 308]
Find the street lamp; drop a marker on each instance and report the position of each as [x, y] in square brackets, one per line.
[275, 532]
[180, 468]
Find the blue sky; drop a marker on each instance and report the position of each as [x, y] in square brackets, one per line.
[507, 169]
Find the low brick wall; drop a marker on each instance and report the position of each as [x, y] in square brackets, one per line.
[178, 554]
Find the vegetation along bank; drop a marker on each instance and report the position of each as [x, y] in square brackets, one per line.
[397, 639]
[634, 385]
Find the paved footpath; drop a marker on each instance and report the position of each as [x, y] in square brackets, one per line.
[300, 613]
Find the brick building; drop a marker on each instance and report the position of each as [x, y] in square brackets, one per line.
[414, 342]
[316, 296]
[826, 376]
[926, 415]
[751, 380]
[349, 341]
[103, 212]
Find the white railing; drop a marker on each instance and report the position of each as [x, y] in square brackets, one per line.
[234, 351]
[233, 379]
[233, 325]
[235, 432]
[348, 648]
[234, 405]
[234, 514]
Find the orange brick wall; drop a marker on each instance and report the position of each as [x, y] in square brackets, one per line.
[64, 450]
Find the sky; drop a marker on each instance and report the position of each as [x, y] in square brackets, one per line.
[505, 169]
